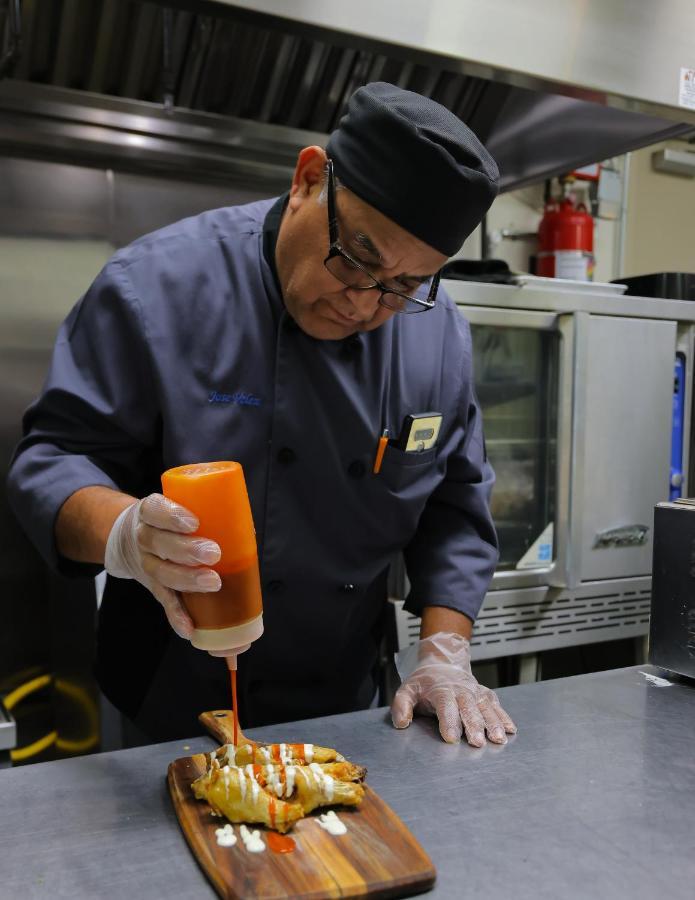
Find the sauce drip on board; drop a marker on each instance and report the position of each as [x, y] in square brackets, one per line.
[280, 843]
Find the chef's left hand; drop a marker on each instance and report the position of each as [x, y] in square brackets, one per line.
[437, 680]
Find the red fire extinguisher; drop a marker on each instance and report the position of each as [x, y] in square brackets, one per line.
[566, 241]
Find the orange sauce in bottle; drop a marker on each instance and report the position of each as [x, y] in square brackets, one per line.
[215, 492]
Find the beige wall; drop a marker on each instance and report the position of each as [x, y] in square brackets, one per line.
[660, 233]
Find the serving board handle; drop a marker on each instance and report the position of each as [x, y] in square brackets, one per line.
[219, 724]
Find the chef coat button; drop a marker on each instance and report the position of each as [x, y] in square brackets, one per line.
[352, 346]
[356, 469]
[347, 588]
[286, 455]
[274, 587]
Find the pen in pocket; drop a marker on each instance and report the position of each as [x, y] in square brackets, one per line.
[380, 450]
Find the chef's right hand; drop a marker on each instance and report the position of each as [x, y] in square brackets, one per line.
[151, 542]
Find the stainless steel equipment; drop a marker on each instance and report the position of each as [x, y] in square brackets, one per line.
[231, 90]
[672, 628]
[8, 736]
[576, 385]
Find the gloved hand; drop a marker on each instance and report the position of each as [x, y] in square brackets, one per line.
[437, 679]
[150, 541]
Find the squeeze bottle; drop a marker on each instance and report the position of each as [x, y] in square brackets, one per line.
[216, 493]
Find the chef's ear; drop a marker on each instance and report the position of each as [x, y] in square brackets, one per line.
[308, 173]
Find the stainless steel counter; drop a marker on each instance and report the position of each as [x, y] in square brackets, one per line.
[593, 798]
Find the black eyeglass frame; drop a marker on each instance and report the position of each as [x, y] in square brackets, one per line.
[335, 249]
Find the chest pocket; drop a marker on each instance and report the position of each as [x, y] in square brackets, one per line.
[409, 472]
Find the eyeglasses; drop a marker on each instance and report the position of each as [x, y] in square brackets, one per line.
[353, 274]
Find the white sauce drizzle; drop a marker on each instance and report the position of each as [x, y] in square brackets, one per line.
[252, 779]
[309, 752]
[290, 773]
[285, 754]
[241, 775]
[274, 780]
[252, 839]
[225, 836]
[331, 823]
[324, 782]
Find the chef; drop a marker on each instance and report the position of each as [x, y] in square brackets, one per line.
[306, 337]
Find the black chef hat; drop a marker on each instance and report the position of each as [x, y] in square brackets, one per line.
[416, 162]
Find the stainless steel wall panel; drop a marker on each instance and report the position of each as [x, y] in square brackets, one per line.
[52, 199]
[40, 199]
[142, 204]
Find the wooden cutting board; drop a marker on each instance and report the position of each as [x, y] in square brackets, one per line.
[378, 857]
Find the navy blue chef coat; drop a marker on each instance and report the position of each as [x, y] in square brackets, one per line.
[182, 351]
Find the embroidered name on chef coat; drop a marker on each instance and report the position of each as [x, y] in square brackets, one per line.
[239, 397]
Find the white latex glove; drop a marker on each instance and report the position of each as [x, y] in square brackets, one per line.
[151, 542]
[437, 679]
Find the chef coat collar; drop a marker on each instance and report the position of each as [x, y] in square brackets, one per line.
[271, 228]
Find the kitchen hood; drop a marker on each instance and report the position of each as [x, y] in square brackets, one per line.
[221, 89]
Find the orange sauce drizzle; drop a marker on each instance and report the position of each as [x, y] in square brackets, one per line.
[234, 708]
[272, 811]
[298, 751]
[280, 843]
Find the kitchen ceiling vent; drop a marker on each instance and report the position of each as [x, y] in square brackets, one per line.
[239, 65]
